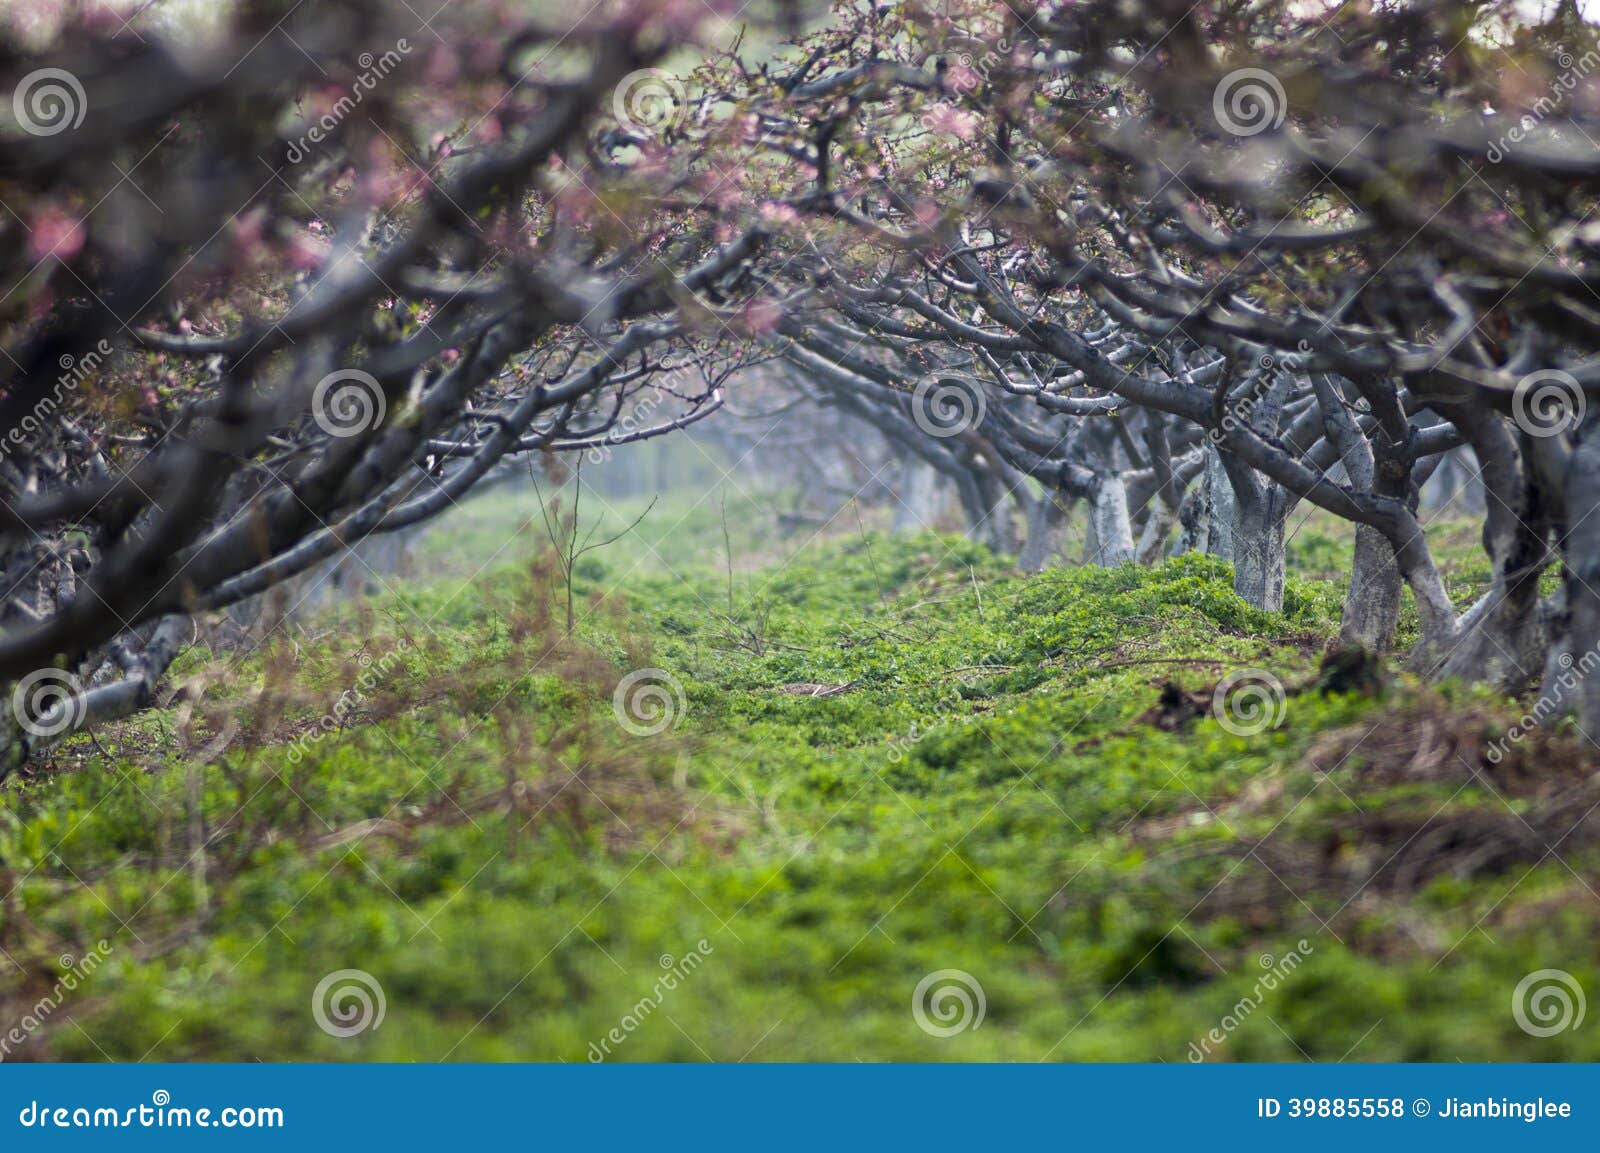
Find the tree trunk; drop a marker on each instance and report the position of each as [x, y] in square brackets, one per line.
[1165, 505]
[1372, 606]
[1157, 528]
[1217, 511]
[1258, 547]
[1193, 522]
[1047, 521]
[1260, 512]
[1499, 639]
[1110, 539]
[1577, 660]
[1383, 467]
[996, 528]
[917, 506]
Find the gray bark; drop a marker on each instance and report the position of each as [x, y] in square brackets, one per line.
[1499, 639]
[1575, 673]
[1258, 547]
[1260, 513]
[917, 505]
[1217, 507]
[1047, 520]
[1167, 504]
[1372, 606]
[1110, 538]
[1455, 485]
[995, 527]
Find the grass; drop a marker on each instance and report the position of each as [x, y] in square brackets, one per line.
[888, 757]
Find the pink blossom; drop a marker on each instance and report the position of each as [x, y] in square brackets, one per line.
[961, 78]
[306, 251]
[485, 56]
[761, 316]
[55, 232]
[443, 66]
[575, 205]
[384, 183]
[247, 231]
[947, 120]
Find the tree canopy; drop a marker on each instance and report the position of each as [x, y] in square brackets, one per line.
[305, 273]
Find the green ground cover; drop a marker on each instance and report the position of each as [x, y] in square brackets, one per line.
[887, 757]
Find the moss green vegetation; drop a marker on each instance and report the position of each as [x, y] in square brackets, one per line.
[893, 756]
